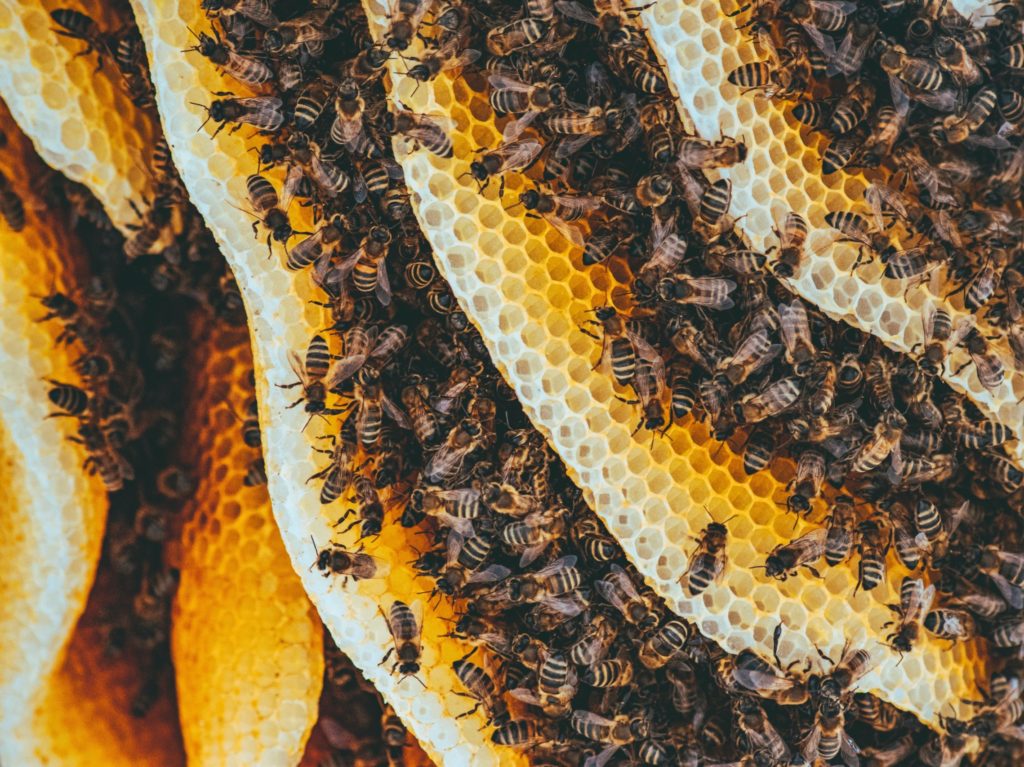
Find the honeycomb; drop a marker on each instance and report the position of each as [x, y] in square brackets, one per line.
[81, 121]
[699, 46]
[281, 319]
[246, 643]
[54, 517]
[522, 285]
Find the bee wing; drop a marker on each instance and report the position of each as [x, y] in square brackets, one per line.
[526, 695]
[648, 353]
[417, 613]
[849, 750]
[568, 607]
[794, 326]
[383, 289]
[577, 203]
[668, 253]
[564, 563]
[756, 680]
[343, 369]
[307, 251]
[810, 745]
[298, 366]
[247, 69]
[463, 526]
[530, 553]
[453, 546]
[464, 59]
[504, 82]
[590, 718]
[259, 11]
[291, 185]
[519, 155]
[460, 495]
[963, 326]
[514, 128]
[491, 574]
[394, 412]
[928, 321]
[346, 265]
[575, 11]
[571, 233]
[820, 40]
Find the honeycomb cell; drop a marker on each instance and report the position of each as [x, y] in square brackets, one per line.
[781, 161]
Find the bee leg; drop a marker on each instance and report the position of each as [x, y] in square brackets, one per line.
[388, 653]
[776, 636]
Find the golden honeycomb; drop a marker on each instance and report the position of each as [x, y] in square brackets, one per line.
[522, 285]
[282, 320]
[81, 121]
[54, 513]
[699, 45]
[246, 643]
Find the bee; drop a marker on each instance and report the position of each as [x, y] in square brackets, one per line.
[12, 209]
[256, 10]
[405, 623]
[709, 292]
[517, 35]
[307, 32]
[664, 644]
[349, 107]
[448, 460]
[617, 589]
[915, 602]
[404, 17]
[505, 499]
[840, 530]
[699, 154]
[857, 229]
[372, 405]
[612, 21]
[368, 65]
[78, 26]
[796, 334]
[946, 623]
[708, 562]
[791, 245]
[986, 362]
[1008, 633]
[853, 108]
[369, 512]
[714, 204]
[752, 354]
[522, 734]
[311, 374]
[482, 688]
[612, 733]
[264, 113]
[533, 534]
[873, 544]
[773, 399]
[71, 400]
[556, 686]
[919, 73]
[764, 740]
[1012, 56]
[357, 565]
[594, 544]
[509, 157]
[264, 200]
[449, 56]
[422, 131]
[960, 127]
[828, 737]
[878, 375]
[1006, 570]
[749, 673]
[938, 327]
[552, 586]
[246, 69]
[559, 210]
[423, 419]
[806, 484]
[885, 441]
[886, 128]
[876, 713]
[758, 452]
[465, 557]
[756, 75]
[786, 558]
[910, 548]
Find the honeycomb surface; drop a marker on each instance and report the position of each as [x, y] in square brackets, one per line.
[81, 121]
[54, 513]
[282, 320]
[522, 285]
[247, 644]
[699, 46]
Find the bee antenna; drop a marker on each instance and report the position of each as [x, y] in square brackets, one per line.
[208, 115]
[513, 205]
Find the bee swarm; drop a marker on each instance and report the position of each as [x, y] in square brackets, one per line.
[493, 280]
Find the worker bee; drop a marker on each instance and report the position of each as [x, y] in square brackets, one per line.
[448, 460]
[516, 35]
[536, 532]
[613, 734]
[11, 206]
[404, 17]
[773, 399]
[264, 200]
[986, 362]
[708, 562]
[422, 130]
[556, 686]
[791, 245]
[246, 69]
[356, 565]
[786, 558]
[405, 623]
[311, 372]
[699, 154]
[369, 512]
[841, 529]
[885, 441]
[509, 157]
[920, 74]
[618, 590]
[262, 112]
[256, 10]
[947, 623]
[915, 602]
[828, 737]
[77, 26]
[482, 688]
[559, 210]
[873, 544]
[449, 56]
[69, 399]
[664, 644]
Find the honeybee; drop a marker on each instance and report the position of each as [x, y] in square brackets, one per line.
[840, 530]
[405, 623]
[404, 17]
[664, 644]
[873, 544]
[946, 623]
[448, 56]
[517, 35]
[510, 95]
[1006, 570]
[559, 210]
[695, 153]
[708, 562]
[553, 586]
[533, 534]
[77, 26]
[765, 742]
[920, 74]
[356, 565]
[885, 441]
[915, 602]
[556, 686]
[509, 157]
[613, 733]
[256, 10]
[264, 200]
[311, 372]
[828, 737]
[367, 264]
[618, 590]
[372, 405]
[246, 69]
[786, 558]
[338, 472]
[987, 363]
[773, 399]
[481, 687]
[791, 245]
[709, 292]
[422, 130]
[264, 113]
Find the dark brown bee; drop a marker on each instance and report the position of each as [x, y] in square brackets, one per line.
[593, 542]
[422, 131]
[806, 484]
[256, 10]
[349, 564]
[786, 558]
[262, 112]
[776, 397]
[368, 66]
[481, 687]
[915, 602]
[78, 26]
[791, 245]
[919, 73]
[404, 17]
[664, 644]
[617, 589]
[714, 203]
[951, 624]
[264, 200]
[958, 128]
[11, 207]
[71, 400]
[987, 364]
[708, 562]
[349, 108]
[307, 32]
[516, 35]
[509, 157]
[842, 523]
[405, 624]
[246, 69]
[758, 452]
[873, 545]
[311, 374]
[556, 686]
[853, 108]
